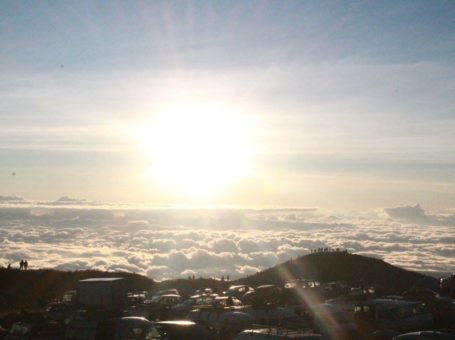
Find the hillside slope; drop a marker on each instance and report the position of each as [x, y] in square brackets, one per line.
[338, 266]
[35, 288]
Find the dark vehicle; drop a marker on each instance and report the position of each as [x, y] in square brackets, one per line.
[225, 322]
[109, 328]
[179, 330]
[182, 309]
[59, 312]
[447, 286]
[331, 290]
[275, 316]
[332, 322]
[275, 333]
[226, 301]
[41, 330]
[81, 326]
[125, 328]
[135, 298]
[3, 332]
[402, 316]
[442, 308]
[427, 335]
[262, 295]
[302, 292]
[172, 291]
[238, 291]
[153, 311]
[166, 299]
[69, 297]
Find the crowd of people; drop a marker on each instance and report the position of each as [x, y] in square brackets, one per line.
[23, 265]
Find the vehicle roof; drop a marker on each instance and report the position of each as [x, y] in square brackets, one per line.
[265, 286]
[390, 302]
[270, 332]
[176, 322]
[102, 279]
[133, 318]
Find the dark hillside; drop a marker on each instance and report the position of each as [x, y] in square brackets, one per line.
[35, 288]
[338, 266]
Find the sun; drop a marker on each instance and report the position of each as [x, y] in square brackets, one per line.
[198, 149]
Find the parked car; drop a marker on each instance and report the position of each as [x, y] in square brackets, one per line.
[216, 319]
[182, 309]
[166, 299]
[332, 322]
[40, 330]
[81, 326]
[125, 328]
[426, 335]
[179, 330]
[226, 301]
[262, 295]
[347, 302]
[59, 312]
[153, 311]
[238, 291]
[276, 334]
[99, 328]
[402, 316]
[274, 316]
[3, 332]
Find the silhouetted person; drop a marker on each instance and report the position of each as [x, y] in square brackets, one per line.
[21, 265]
[9, 266]
[25, 264]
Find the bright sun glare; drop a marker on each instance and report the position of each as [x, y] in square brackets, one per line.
[198, 150]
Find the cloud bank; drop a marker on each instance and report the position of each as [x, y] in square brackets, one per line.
[169, 243]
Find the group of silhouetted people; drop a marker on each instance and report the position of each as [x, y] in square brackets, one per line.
[328, 250]
[23, 265]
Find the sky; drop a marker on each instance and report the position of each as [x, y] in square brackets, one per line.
[332, 104]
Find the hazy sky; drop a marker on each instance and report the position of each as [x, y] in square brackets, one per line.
[284, 103]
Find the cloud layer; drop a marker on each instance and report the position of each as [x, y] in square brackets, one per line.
[169, 243]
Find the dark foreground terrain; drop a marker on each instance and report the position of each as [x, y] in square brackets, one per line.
[37, 288]
[330, 295]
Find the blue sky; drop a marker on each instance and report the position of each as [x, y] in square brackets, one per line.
[352, 102]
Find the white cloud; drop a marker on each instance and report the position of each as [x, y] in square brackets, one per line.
[416, 214]
[169, 243]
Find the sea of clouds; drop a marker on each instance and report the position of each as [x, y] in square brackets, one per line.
[71, 234]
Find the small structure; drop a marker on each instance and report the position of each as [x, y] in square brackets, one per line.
[101, 292]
